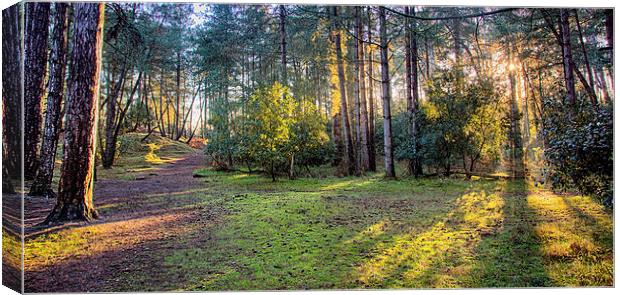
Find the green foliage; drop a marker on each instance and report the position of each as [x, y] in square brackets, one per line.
[269, 120]
[580, 148]
[460, 126]
[279, 131]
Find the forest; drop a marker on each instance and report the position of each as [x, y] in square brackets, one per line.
[188, 147]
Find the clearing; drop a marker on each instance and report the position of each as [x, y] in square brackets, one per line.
[168, 222]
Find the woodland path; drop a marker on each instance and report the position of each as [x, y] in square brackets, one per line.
[140, 222]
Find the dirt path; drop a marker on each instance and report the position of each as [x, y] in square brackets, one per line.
[141, 221]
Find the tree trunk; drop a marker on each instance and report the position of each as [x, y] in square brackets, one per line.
[515, 122]
[356, 96]
[178, 102]
[283, 76]
[344, 110]
[12, 91]
[385, 90]
[567, 57]
[609, 28]
[35, 64]
[585, 58]
[414, 166]
[75, 193]
[363, 120]
[371, 100]
[42, 185]
[609, 34]
[409, 88]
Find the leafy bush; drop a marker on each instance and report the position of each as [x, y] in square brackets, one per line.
[580, 148]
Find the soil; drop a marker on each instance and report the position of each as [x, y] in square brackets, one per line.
[140, 222]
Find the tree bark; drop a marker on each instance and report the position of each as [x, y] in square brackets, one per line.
[75, 193]
[411, 52]
[386, 96]
[363, 120]
[344, 110]
[356, 96]
[42, 186]
[371, 100]
[567, 57]
[12, 91]
[35, 64]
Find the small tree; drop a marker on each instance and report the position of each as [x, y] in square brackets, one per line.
[270, 115]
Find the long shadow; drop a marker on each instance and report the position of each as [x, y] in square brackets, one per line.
[512, 257]
[111, 260]
[601, 234]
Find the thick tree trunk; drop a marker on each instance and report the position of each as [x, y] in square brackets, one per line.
[567, 57]
[75, 193]
[363, 120]
[371, 100]
[35, 63]
[386, 96]
[12, 91]
[42, 185]
[349, 156]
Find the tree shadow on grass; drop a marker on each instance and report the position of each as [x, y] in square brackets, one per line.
[307, 240]
[511, 257]
[435, 256]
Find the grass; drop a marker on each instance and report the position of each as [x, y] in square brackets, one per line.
[136, 156]
[370, 233]
[354, 233]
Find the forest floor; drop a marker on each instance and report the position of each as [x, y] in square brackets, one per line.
[174, 224]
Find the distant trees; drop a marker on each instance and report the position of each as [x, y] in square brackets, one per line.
[284, 87]
[75, 194]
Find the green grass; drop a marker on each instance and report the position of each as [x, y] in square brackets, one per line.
[352, 233]
[138, 156]
[371, 233]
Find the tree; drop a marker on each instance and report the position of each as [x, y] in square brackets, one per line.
[349, 156]
[35, 63]
[567, 57]
[411, 77]
[269, 121]
[75, 193]
[360, 72]
[42, 185]
[371, 98]
[386, 96]
[282, 11]
[11, 92]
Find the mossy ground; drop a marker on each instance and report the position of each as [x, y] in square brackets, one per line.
[326, 233]
[136, 156]
[371, 233]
